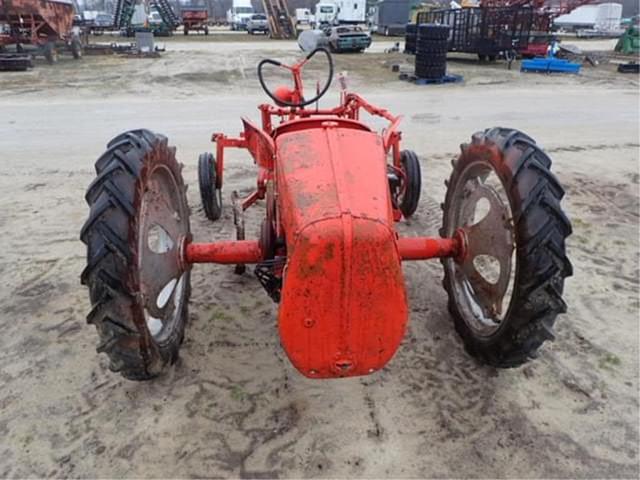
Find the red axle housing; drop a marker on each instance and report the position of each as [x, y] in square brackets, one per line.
[331, 214]
[248, 251]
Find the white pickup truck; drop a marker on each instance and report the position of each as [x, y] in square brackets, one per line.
[239, 14]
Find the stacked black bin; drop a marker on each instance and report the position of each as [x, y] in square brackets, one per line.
[431, 50]
[410, 36]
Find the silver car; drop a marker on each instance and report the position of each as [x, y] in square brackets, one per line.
[257, 23]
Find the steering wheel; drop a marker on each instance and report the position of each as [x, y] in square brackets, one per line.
[296, 72]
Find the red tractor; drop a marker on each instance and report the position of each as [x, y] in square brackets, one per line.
[328, 250]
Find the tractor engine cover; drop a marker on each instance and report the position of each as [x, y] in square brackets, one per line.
[343, 306]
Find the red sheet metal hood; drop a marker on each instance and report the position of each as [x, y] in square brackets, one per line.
[343, 307]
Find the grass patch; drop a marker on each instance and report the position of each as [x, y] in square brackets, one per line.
[238, 394]
[609, 361]
[579, 223]
[221, 316]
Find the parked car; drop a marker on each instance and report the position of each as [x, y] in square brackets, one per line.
[155, 19]
[348, 39]
[257, 23]
[102, 22]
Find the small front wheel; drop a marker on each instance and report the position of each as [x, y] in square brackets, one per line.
[409, 195]
[506, 291]
[138, 223]
[210, 194]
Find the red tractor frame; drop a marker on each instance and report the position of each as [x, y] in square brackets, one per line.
[328, 250]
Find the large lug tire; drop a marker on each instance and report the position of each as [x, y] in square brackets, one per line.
[432, 31]
[531, 225]
[431, 72]
[210, 194]
[139, 290]
[433, 47]
[431, 61]
[413, 177]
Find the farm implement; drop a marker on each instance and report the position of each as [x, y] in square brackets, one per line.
[328, 251]
[42, 27]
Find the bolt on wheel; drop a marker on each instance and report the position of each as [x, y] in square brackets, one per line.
[164, 224]
[483, 279]
[505, 289]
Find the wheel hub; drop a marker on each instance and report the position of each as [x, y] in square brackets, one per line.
[163, 226]
[483, 275]
[490, 237]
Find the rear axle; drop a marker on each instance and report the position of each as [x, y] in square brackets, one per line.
[249, 251]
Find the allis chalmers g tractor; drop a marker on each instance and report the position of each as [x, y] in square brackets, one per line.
[328, 250]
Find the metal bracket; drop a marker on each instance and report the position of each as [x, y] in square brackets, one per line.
[238, 220]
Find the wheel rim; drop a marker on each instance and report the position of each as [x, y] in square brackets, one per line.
[403, 189]
[163, 226]
[484, 279]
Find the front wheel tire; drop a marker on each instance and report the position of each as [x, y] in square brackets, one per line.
[506, 293]
[410, 199]
[210, 193]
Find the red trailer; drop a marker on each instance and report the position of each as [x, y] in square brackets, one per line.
[43, 24]
[195, 18]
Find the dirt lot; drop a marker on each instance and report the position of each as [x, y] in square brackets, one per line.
[233, 405]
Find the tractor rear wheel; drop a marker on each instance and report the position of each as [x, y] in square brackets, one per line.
[506, 293]
[210, 194]
[409, 200]
[137, 226]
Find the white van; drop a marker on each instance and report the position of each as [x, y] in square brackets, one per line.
[239, 14]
